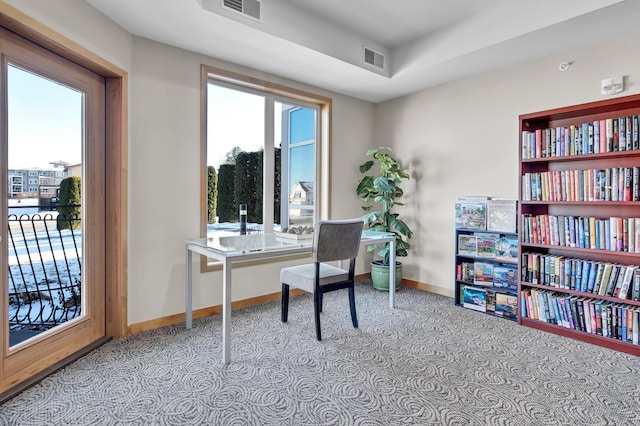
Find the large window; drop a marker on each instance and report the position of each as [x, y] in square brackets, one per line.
[263, 145]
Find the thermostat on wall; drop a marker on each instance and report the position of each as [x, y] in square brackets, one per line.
[612, 85]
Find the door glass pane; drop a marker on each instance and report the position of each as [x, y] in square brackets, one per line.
[45, 135]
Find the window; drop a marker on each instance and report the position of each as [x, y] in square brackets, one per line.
[264, 146]
[299, 130]
[33, 173]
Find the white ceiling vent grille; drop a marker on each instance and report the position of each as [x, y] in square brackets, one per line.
[373, 58]
[248, 8]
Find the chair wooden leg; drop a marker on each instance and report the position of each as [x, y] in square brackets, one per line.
[352, 305]
[284, 310]
[316, 311]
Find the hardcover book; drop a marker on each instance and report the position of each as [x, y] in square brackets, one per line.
[475, 298]
[635, 290]
[471, 213]
[627, 281]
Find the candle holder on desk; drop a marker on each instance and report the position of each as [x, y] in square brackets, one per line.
[243, 219]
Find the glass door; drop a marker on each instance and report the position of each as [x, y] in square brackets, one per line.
[53, 226]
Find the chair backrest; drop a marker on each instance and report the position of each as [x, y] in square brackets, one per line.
[336, 239]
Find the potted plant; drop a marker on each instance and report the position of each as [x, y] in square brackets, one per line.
[382, 190]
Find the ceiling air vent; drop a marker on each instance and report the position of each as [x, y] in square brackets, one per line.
[248, 8]
[374, 58]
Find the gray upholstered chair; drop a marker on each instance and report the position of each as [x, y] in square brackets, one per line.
[332, 240]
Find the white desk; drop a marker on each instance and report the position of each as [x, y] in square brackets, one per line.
[237, 248]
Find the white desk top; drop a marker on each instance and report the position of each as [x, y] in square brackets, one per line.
[236, 245]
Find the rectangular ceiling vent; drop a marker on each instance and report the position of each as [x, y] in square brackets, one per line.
[373, 58]
[248, 8]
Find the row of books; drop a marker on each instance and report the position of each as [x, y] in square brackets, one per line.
[613, 234]
[491, 246]
[490, 301]
[608, 319]
[588, 276]
[486, 214]
[599, 136]
[488, 274]
[612, 184]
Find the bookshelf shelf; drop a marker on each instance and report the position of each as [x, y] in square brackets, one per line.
[482, 259]
[588, 157]
[585, 203]
[582, 293]
[577, 251]
[579, 207]
[581, 335]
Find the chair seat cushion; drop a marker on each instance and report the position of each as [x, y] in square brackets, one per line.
[303, 276]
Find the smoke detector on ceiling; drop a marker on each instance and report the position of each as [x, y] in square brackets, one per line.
[373, 58]
[247, 8]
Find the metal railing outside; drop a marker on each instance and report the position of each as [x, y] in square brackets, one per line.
[45, 269]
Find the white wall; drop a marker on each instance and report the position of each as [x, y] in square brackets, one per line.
[462, 139]
[83, 24]
[458, 139]
[165, 178]
[164, 149]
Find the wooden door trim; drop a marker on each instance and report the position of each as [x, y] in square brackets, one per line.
[116, 155]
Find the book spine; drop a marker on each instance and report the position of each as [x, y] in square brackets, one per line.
[635, 143]
[629, 132]
[598, 317]
[636, 325]
[622, 134]
[635, 291]
[603, 136]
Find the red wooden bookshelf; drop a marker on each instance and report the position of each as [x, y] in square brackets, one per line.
[548, 158]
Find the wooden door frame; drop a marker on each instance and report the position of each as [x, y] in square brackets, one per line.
[116, 121]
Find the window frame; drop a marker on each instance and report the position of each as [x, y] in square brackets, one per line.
[279, 93]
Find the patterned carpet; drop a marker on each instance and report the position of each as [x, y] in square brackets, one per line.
[425, 363]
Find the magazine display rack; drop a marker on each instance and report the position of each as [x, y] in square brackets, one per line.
[486, 274]
[579, 212]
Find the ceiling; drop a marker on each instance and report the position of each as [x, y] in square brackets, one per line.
[424, 43]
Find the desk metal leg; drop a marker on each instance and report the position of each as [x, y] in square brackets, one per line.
[226, 312]
[392, 275]
[188, 295]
